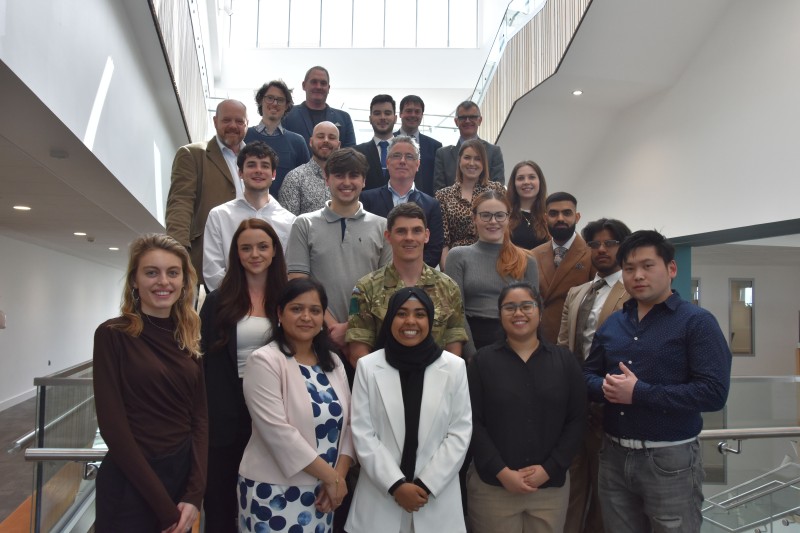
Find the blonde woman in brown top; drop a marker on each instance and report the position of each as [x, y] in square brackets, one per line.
[150, 397]
[472, 178]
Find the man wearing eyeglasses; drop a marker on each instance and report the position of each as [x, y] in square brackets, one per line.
[412, 109]
[586, 308]
[468, 119]
[274, 100]
[564, 262]
[403, 160]
[382, 118]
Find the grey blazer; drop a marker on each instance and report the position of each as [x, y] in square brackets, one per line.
[444, 172]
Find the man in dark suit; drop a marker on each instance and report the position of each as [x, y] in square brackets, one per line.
[205, 175]
[402, 163]
[382, 117]
[302, 118]
[586, 308]
[564, 262]
[468, 119]
[412, 109]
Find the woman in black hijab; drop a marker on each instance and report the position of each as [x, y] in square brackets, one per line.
[412, 422]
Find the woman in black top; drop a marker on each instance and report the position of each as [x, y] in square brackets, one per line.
[529, 416]
[237, 319]
[527, 192]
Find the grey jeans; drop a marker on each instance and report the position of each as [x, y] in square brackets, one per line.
[656, 489]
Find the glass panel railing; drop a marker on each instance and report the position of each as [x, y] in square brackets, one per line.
[65, 419]
[756, 486]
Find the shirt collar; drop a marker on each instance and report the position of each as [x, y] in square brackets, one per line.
[225, 149]
[398, 195]
[567, 244]
[262, 128]
[670, 303]
[611, 279]
[331, 215]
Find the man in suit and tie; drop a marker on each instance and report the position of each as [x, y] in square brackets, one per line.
[303, 117]
[585, 309]
[468, 119]
[382, 118]
[564, 261]
[412, 109]
[205, 175]
[403, 160]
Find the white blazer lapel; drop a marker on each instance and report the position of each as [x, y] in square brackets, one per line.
[388, 382]
[432, 393]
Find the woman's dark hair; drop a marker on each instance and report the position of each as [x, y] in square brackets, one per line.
[234, 296]
[538, 220]
[321, 342]
[533, 291]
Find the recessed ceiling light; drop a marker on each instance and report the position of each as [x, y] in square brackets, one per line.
[577, 92]
[113, 248]
[22, 208]
[79, 234]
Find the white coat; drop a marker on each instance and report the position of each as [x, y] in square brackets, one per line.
[378, 428]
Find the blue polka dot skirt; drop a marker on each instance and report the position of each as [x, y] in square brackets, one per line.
[267, 508]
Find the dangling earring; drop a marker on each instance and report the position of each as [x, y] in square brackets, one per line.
[135, 296]
[279, 324]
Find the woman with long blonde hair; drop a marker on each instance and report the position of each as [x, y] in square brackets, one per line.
[150, 396]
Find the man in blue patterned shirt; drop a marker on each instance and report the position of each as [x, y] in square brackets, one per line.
[656, 364]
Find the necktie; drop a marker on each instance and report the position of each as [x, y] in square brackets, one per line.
[583, 315]
[560, 252]
[384, 146]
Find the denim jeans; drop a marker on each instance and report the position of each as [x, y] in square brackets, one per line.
[656, 489]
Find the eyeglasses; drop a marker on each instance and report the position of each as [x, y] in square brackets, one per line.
[464, 118]
[274, 99]
[610, 243]
[397, 156]
[525, 307]
[486, 216]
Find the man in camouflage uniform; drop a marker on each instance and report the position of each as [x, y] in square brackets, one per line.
[407, 233]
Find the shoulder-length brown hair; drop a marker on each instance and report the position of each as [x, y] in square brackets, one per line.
[234, 295]
[187, 322]
[538, 220]
[512, 261]
[477, 145]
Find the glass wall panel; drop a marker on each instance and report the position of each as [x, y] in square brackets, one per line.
[464, 24]
[432, 23]
[367, 24]
[337, 23]
[304, 29]
[273, 23]
[243, 24]
[401, 20]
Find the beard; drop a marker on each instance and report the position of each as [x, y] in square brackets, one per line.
[561, 233]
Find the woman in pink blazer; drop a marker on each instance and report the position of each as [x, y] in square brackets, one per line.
[292, 474]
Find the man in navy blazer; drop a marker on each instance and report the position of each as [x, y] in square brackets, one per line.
[468, 119]
[382, 118]
[402, 164]
[412, 109]
[302, 118]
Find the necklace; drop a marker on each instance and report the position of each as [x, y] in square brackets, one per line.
[526, 216]
[156, 325]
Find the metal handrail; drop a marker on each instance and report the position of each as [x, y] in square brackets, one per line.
[749, 433]
[65, 454]
[27, 439]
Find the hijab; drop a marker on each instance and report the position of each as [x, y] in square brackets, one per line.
[411, 362]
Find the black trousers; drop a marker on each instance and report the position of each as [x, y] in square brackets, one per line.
[220, 503]
[120, 508]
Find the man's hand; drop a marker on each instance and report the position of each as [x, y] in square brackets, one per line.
[618, 388]
[410, 497]
[516, 481]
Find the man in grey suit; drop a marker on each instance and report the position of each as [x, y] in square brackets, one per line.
[205, 175]
[468, 119]
[586, 308]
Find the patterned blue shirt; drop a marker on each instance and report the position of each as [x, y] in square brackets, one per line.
[682, 362]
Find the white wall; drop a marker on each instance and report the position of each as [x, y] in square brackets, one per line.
[61, 49]
[710, 152]
[53, 303]
[776, 302]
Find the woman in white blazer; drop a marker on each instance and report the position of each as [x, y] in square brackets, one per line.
[411, 423]
[292, 474]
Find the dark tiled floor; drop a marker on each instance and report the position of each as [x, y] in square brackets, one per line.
[16, 476]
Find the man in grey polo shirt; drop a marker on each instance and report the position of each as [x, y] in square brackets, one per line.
[341, 242]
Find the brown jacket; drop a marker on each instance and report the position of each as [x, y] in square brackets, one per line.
[575, 269]
[201, 181]
[569, 316]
